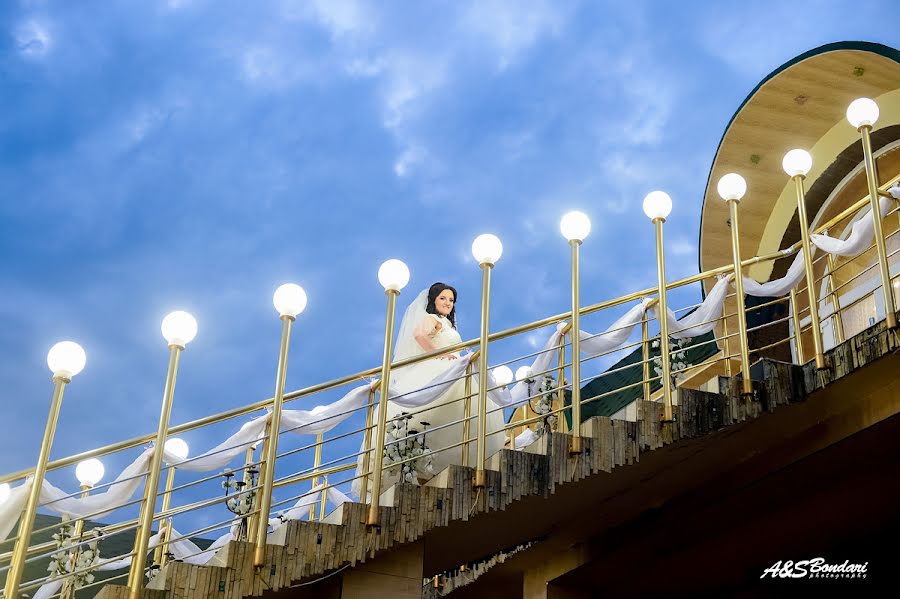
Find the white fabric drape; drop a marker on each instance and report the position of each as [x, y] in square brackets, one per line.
[697, 322]
[526, 438]
[617, 333]
[440, 384]
[99, 504]
[781, 286]
[319, 419]
[591, 345]
[222, 454]
[12, 508]
[861, 233]
[322, 419]
[860, 237]
[300, 510]
[188, 551]
[520, 391]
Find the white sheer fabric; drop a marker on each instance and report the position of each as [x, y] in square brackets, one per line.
[322, 419]
[520, 391]
[860, 237]
[526, 438]
[99, 504]
[300, 510]
[617, 333]
[222, 454]
[781, 286]
[11, 509]
[407, 346]
[861, 233]
[697, 322]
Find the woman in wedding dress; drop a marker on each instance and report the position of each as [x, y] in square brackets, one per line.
[428, 325]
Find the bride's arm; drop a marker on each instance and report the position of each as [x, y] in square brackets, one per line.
[425, 332]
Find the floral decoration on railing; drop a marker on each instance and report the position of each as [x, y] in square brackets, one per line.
[70, 557]
[402, 443]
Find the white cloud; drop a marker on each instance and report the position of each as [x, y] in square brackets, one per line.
[343, 17]
[682, 247]
[512, 27]
[33, 39]
[410, 157]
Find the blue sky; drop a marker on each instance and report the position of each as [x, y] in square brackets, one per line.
[195, 155]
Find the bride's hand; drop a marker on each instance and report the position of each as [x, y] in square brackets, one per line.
[450, 356]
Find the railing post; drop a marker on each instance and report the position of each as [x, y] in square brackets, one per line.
[317, 461]
[142, 538]
[837, 321]
[481, 449]
[666, 379]
[372, 517]
[367, 456]
[252, 520]
[323, 497]
[561, 377]
[727, 340]
[159, 556]
[645, 356]
[575, 444]
[26, 521]
[467, 414]
[795, 317]
[890, 310]
[68, 590]
[746, 382]
[270, 446]
[810, 275]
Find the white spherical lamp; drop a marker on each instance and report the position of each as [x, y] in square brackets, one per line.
[862, 112]
[797, 163]
[657, 204]
[289, 300]
[178, 448]
[523, 372]
[575, 226]
[179, 328]
[732, 187]
[66, 359]
[487, 249]
[502, 375]
[4, 492]
[89, 472]
[393, 275]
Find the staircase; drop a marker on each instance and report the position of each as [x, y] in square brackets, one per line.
[421, 525]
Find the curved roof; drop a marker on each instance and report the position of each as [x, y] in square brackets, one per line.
[802, 104]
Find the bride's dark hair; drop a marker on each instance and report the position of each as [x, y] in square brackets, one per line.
[434, 291]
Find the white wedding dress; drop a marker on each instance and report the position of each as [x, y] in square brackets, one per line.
[448, 408]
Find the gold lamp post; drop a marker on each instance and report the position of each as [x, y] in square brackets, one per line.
[657, 206]
[89, 473]
[178, 328]
[487, 249]
[575, 226]
[179, 449]
[732, 188]
[393, 276]
[290, 300]
[796, 164]
[862, 114]
[65, 359]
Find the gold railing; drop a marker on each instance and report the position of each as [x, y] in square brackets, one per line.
[326, 470]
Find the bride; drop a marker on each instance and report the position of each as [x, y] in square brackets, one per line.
[428, 325]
